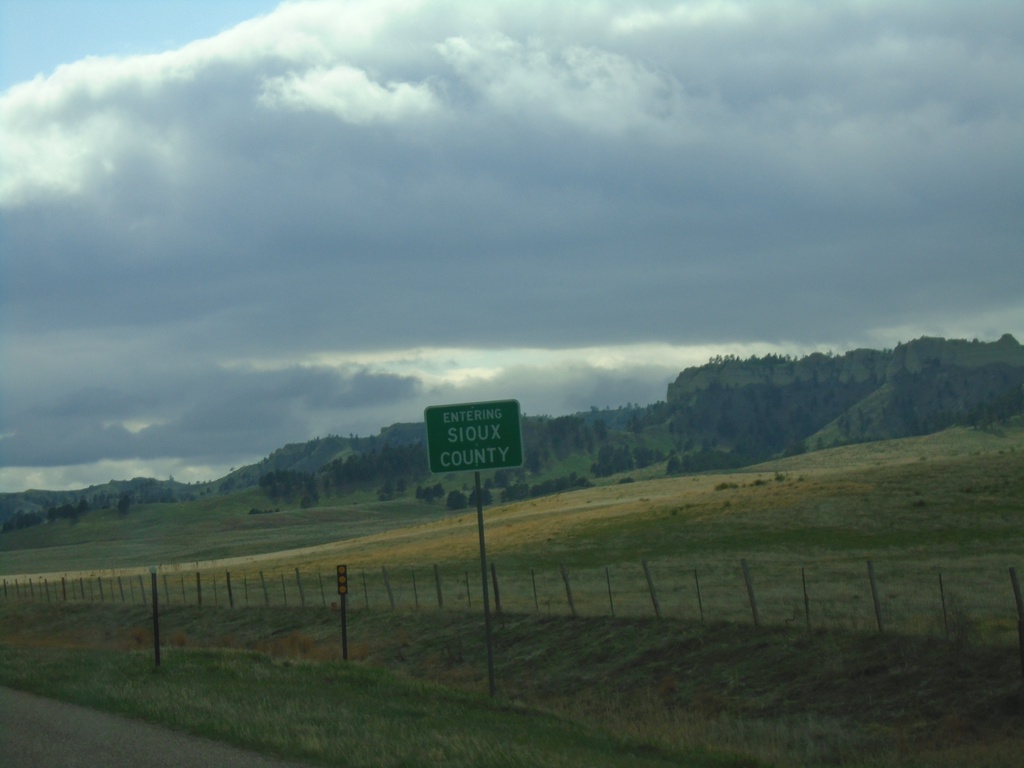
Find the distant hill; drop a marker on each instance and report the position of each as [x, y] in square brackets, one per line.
[69, 504]
[727, 413]
[758, 407]
[310, 456]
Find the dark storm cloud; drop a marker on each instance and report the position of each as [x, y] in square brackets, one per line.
[205, 414]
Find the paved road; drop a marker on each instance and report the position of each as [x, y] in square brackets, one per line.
[43, 733]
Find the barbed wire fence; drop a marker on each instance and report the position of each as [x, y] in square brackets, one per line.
[964, 605]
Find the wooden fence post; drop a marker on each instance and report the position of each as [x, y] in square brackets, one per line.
[653, 591]
[167, 591]
[100, 580]
[63, 588]
[231, 595]
[266, 594]
[536, 602]
[1017, 593]
[568, 591]
[874, 595]
[216, 595]
[302, 594]
[469, 600]
[608, 578]
[142, 588]
[700, 601]
[945, 615]
[199, 589]
[366, 591]
[750, 593]
[807, 600]
[120, 588]
[1020, 615]
[184, 598]
[437, 583]
[415, 590]
[284, 591]
[156, 615]
[387, 586]
[323, 597]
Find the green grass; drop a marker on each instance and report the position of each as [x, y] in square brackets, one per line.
[207, 529]
[328, 712]
[590, 691]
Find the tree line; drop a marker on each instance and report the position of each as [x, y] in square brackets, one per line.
[390, 470]
[23, 519]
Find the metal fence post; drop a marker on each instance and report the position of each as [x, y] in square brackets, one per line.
[750, 593]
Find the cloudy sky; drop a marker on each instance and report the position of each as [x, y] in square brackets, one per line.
[231, 225]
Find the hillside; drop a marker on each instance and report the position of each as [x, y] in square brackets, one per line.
[753, 409]
[727, 413]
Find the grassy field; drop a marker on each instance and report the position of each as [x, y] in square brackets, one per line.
[210, 529]
[815, 684]
[949, 505]
[953, 497]
[593, 691]
[325, 711]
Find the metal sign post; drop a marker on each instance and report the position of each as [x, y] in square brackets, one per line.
[156, 616]
[483, 577]
[471, 437]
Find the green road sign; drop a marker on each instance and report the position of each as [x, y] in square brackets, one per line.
[474, 436]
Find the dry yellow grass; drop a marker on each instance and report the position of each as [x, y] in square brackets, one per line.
[758, 501]
[942, 503]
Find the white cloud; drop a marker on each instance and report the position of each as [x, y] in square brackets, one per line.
[351, 95]
[76, 477]
[77, 128]
[687, 15]
[595, 89]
